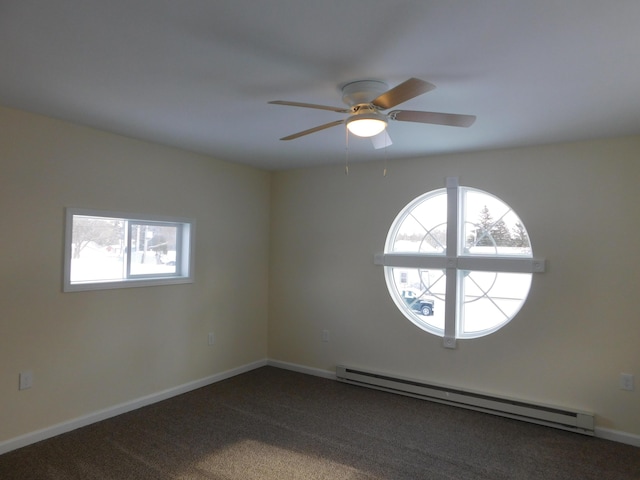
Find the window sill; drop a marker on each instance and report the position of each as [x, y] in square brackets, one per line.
[111, 285]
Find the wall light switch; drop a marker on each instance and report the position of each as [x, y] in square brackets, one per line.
[26, 380]
[626, 381]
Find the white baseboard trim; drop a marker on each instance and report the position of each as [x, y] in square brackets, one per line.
[617, 436]
[52, 431]
[302, 369]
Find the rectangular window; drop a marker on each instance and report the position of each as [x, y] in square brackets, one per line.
[115, 250]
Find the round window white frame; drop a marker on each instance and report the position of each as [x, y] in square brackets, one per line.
[453, 262]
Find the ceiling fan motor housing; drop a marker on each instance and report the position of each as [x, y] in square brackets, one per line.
[362, 91]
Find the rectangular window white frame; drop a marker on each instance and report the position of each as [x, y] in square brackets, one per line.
[182, 259]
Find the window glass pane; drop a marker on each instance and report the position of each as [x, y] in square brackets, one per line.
[106, 250]
[153, 249]
[422, 294]
[491, 299]
[491, 227]
[97, 249]
[424, 227]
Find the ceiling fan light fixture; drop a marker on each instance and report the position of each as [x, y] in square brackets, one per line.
[366, 124]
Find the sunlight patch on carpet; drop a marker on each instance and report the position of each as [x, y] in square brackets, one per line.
[251, 459]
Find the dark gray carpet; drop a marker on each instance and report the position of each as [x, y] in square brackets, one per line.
[276, 424]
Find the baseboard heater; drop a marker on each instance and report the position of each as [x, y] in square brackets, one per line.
[557, 417]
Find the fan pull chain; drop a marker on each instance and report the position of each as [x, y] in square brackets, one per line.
[384, 172]
[346, 162]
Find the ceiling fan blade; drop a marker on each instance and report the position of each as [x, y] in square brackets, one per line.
[309, 105]
[403, 92]
[450, 119]
[381, 140]
[313, 130]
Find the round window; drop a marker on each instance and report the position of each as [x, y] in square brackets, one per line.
[458, 262]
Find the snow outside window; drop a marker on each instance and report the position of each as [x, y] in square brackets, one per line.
[115, 250]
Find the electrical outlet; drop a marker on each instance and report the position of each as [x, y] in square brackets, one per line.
[26, 380]
[626, 381]
[211, 338]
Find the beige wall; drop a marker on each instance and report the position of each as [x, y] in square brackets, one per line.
[93, 350]
[578, 330]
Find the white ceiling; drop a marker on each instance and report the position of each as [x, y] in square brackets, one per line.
[198, 74]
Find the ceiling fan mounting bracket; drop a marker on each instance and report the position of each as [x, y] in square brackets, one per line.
[363, 108]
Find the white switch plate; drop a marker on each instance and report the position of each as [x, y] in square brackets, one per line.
[326, 335]
[211, 338]
[626, 381]
[26, 380]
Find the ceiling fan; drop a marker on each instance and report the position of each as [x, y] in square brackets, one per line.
[368, 98]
